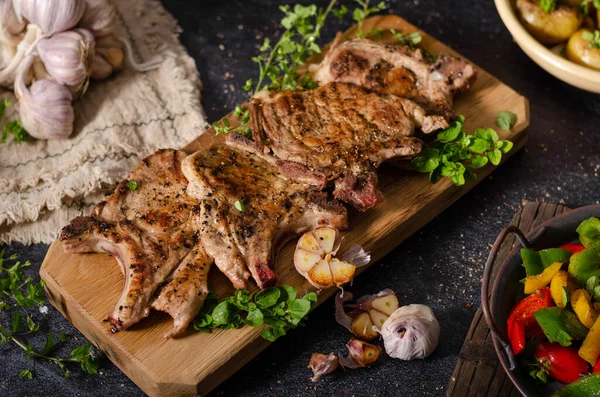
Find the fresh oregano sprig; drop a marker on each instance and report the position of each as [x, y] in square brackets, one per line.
[276, 309]
[278, 63]
[410, 39]
[19, 294]
[456, 154]
[363, 12]
[224, 126]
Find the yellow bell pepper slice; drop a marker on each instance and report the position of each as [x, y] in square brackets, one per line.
[539, 281]
[582, 306]
[560, 281]
[590, 348]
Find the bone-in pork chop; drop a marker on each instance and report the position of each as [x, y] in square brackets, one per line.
[339, 133]
[249, 208]
[147, 226]
[399, 70]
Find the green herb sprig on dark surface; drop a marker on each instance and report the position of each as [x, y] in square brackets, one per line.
[19, 294]
[275, 308]
[456, 154]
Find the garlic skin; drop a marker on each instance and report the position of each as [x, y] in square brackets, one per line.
[99, 17]
[52, 16]
[411, 332]
[68, 57]
[322, 364]
[45, 109]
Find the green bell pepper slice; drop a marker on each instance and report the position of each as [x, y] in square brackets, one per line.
[589, 231]
[560, 325]
[585, 264]
[587, 386]
[536, 261]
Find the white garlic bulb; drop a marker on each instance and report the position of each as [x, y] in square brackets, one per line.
[45, 108]
[411, 332]
[99, 17]
[9, 22]
[52, 16]
[68, 56]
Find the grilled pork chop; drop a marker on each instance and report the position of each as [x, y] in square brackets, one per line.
[249, 208]
[339, 133]
[399, 70]
[147, 226]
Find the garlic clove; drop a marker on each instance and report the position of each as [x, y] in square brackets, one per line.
[327, 237]
[322, 364]
[308, 242]
[111, 48]
[10, 25]
[362, 326]
[46, 111]
[101, 69]
[52, 16]
[320, 275]
[360, 354]
[45, 108]
[68, 57]
[342, 272]
[99, 17]
[385, 304]
[378, 318]
[305, 260]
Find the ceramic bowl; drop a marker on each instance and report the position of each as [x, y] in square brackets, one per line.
[565, 70]
[506, 289]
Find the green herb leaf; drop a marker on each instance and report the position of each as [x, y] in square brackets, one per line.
[593, 38]
[298, 308]
[479, 161]
[26, 374]
[15, 128]
[132, 185]
[3, 105]
[267, 297]
[506, 120]
[272, 334]
[495, 156]
[255, 318]
[410, 39]
[16, 322]
[49, 345]
[240, 206]
[548, 5]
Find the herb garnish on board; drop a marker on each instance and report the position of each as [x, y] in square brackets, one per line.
[275, 308]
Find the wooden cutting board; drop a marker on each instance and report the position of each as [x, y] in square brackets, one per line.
[85, 287]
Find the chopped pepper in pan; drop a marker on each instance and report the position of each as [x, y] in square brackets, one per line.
[522, 324]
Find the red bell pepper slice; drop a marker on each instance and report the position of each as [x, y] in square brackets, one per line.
[573, 247]
[596, 367]
[522, 324]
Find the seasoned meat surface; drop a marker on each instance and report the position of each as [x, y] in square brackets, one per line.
[398, 70]
[146, 224]
[340, 134]
[249, 208]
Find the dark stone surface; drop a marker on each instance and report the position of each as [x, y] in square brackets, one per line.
[440, 266]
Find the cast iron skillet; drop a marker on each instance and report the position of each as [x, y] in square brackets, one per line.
[507, 290]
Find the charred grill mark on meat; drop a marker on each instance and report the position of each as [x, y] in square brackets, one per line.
[276, 208]
[398, 70]
[148, 230]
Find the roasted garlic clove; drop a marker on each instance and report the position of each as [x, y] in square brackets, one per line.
[322, 364]
[314, 259]
[362, 326]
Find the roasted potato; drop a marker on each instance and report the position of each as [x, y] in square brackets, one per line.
[579, 50]
[549, 28]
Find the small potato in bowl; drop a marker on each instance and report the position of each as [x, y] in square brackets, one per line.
[551, 27]
[584, 48]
